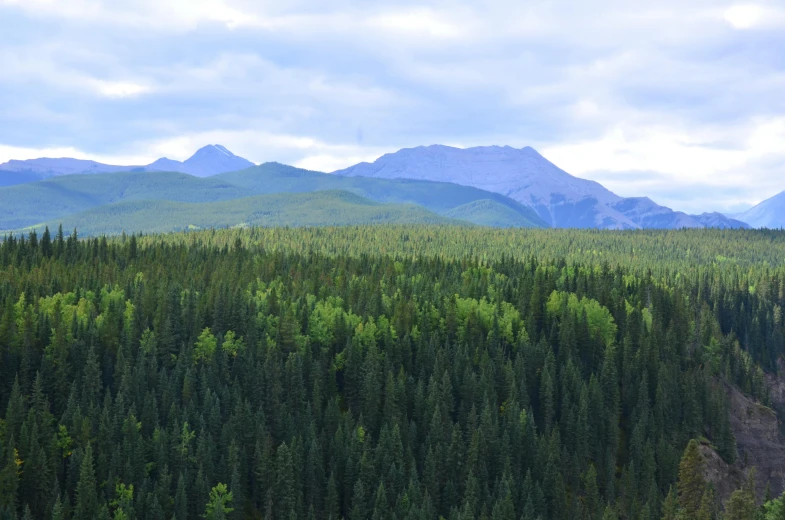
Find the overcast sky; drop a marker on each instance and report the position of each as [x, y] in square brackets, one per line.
[683, 104]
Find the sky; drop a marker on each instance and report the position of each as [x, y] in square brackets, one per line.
[679, 101]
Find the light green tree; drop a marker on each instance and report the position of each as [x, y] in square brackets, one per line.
[232, 345]
[205, 346]
[218, 505]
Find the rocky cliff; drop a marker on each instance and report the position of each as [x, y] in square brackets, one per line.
[760, 442]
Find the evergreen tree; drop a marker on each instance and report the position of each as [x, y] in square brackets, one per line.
[86, 497]
[741, 504]
[692, 483]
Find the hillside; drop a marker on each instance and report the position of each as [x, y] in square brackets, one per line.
[439, 197]
[489, 213]
[322, 208]
[12, 178]
[61, 197]
[28, 204]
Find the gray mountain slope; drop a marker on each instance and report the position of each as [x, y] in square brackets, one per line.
[718, 220]
[768, 214]
[50, 167]
[523, 175]
[208, 160]
[560, 199]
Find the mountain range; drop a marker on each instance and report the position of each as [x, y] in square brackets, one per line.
[208, 160]
[524, 175]
[489, 186]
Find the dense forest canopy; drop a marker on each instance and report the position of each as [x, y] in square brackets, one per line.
[379, 372]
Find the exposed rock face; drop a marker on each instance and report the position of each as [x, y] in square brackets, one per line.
[726, 479]
[760, 442]
[776, 385]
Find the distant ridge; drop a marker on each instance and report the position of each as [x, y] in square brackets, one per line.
[524, 175]
[208, 160]
[534, 191]
[142, 201]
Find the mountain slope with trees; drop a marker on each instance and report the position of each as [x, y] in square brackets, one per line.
[71, 199]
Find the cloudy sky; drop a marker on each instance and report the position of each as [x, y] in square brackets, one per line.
[680, 101]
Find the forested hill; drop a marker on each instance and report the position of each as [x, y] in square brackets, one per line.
[370, 373]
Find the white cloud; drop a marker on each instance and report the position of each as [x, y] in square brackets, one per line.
[418, 21]
[260, 146]
[118, 89]
[21, 153]
[150, 13]
[674, 157]
[690, 93]
[743, 16]
[331, 163]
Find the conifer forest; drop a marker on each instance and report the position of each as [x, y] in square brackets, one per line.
[383, 372]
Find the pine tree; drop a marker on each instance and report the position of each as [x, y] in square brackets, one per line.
[380, 507]
[9, 477]
[610, 514]
[86, 498]
[591, 499]
[58, 512]
[359, 509]
[692, 483]
[741, 504]
[180, 500]
[285, 492]
[670, 507]
[706, 511]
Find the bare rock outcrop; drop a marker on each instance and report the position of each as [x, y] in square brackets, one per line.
[760, 443]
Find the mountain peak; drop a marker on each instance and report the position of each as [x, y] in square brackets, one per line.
[212, 159]
[768, 214]
[213, 149]
[521, 174]
[525, 176]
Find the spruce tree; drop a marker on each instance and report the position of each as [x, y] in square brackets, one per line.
[86, 498]
[692, 483]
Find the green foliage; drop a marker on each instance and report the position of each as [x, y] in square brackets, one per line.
[86, 495]
[775, 509]
[368, 372]
[692, 483]
[205, 346]
[599, 318]
[324, 208]
[218, 506]
[164, 201]
[741, 504]
[232, 345]
[491, 213]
